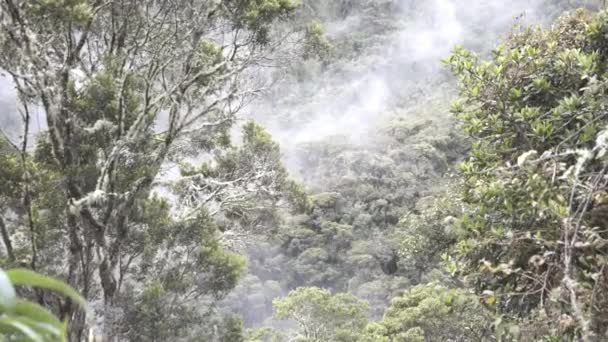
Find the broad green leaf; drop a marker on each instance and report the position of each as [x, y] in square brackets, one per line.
[39, 314]
[7, 292]
[45, 330]
[21, 276]
[11, 325]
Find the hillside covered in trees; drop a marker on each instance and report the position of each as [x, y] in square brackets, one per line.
[313, 170]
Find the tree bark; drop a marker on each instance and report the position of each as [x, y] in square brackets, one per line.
[7, 241]
[71, 311]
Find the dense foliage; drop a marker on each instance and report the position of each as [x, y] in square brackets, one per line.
[131, 90]
[434, 313]
[536, 176]
[321, 316]
[175, 221]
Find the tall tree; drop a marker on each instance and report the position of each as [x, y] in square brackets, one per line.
[128, 87]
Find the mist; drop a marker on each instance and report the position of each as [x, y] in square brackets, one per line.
[351, 97]
[400, 67]
[386, 66]
[9, 118]
[397, 74]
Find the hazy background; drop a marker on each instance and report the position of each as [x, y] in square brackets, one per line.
[399, 59]
[398, 64]
[386, 68]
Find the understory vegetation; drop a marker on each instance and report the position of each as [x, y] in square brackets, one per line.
[274, 171]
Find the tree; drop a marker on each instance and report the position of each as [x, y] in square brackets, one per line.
[433, 313]
[128, 88]
[180, 264]
[322, 316]
[242, 182]
[316, 44]
[425, 233]
[536, 176]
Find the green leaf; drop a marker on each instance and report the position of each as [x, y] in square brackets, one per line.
[45, 330]
[39, 314]
[21, 276]
[8, 297]
[11, 325]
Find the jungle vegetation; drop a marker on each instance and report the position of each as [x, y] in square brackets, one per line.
[275, 170]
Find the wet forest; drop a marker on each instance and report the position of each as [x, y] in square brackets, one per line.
[303, 170]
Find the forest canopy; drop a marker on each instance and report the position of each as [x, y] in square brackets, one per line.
[274, 170]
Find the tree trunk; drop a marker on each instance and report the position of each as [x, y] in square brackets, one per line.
[75, 315]
[7, 241]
